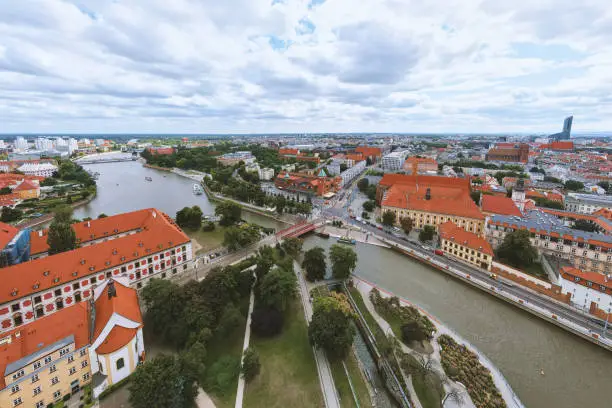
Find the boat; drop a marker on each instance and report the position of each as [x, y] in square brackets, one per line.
[323, 234]
[197, 189]
[148, 179]
[347, 240]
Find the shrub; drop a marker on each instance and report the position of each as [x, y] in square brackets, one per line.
[266, 322]
[208, 226]
[222, 374]
[250, 364]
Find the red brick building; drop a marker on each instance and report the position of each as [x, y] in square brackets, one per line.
[319, 185]
[509, 152]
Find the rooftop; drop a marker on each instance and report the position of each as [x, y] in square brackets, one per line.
[602, 282]
[452, 232]
[7, 233]
[499, 205]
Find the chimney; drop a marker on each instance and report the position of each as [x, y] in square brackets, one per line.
[88, 224]
[40, 233]
[112, 292]
[428, 194]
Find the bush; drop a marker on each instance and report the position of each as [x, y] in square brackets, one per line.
[250, 364]
[266, 322]
[208, 226]
[66, 397]
[222, 374]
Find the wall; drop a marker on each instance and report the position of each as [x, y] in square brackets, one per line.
[522, 275]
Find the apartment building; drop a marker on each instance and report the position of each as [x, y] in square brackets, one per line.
[587, 203]
[139, 246]
[584, 250]
[587, 288]
[320, 184]
[420, 165]
[466, 246]
[394, 161]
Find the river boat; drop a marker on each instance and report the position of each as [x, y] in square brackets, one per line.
[347, 240]
[197, 189]
[148, 179]
[323, 234]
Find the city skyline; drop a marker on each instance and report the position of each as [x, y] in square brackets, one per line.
[256, 67]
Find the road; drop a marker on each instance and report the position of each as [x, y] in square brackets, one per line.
[328, 386]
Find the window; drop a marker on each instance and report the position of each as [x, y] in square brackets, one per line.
[47, 359]
[85, 376]
[40, 404]
[17, 401]
[18, 374]
[37, 365]
[34, 378]
[15, 307]
[58, 292]
[174, 271]
[184, 267]
[63, 352]
[36, 391]
[57, 394]
[54, 381]
[92, 280]
[37, 299]
[72, 370]
[75, 286]
[70, 359]
[82, 353]
[123, 269]
[18, 320]
[52, 369]
[15, 388]
[84, 364]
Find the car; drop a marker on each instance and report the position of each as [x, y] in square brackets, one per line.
[439, 252]
[379, 227]
[405, 239]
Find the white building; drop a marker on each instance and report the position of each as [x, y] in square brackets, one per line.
[394, 161]
[587, 288]
[42, 143]
[349, 174]
[2, 144]
[99, 142]
[73, 145]
[38, 169]
[266, 173]
[587, 203]
[21, 143]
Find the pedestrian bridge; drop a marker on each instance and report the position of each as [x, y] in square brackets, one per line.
[297, 230]
[109, 160]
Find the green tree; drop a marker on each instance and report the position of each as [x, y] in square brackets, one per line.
[265, 261]
[48, 182]
[516, 249]
[10, 214]
[605, 185]
[369, 205]
[164, 302]
[102, 215]
[292, 246]
[331, 327]
[280, 203]
[475, 197]
[162, 382]
[371, 192]
[61, 236]
[574, 185]
[343, 260]
[5, 190]
[363, 184]
[62, 213]
[406, 223]
[388, 218]
[230, 213]
[584, 225]
[240, 237]
[427, 233]
[314, 264]
[277, 287]
[250, 364]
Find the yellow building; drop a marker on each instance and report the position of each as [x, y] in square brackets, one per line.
[27, 189]
[46, 360]
[466, 246]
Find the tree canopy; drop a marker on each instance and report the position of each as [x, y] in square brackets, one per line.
[314, 264]
[240, 237]
[406, 223]
[427, 233]
[292, 246]
[388, 218]
[331, 327]
[61, 236]
[343, 260]
[369, 205]
[277, 288]
[230, 213]
[574, 185]
[189, 217]
[363, 184]
[516, 249]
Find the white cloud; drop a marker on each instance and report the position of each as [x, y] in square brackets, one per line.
[262, 66]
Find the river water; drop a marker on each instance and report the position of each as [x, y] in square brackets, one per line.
[576, 373]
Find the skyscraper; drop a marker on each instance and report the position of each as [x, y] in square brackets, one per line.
[566, 133]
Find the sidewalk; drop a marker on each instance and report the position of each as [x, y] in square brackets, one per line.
[245, 345]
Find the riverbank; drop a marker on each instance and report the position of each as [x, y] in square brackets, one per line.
[49, 216]
[365, 287]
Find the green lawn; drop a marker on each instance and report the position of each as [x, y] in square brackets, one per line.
[208, 240]
[372, 323]
[288, 376]
[535, 269]
[428, 386]
[345, 393]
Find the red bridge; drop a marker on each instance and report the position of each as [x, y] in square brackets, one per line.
[296, 230]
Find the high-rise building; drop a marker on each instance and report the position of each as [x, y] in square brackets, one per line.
[21, 144]
[566, 133]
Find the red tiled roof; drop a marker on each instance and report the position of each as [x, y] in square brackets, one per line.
[499, 205]
[604, 212]
[7, 233]
[124, 304]
[452, 232]
[118, 337]
[84, 261]
[43, 332]
[597, 279]
[26, 185]
[369, 151]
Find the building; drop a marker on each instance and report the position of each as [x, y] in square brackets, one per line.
[509, 152]
[21, 144]
[321, 184]
[564, 146]
[430, 200]
[492, 205]
[587, 288]
[518, 195]
[230, 159]
[372, 153]
[139, 246]
[266, 173]
[14, 245]
[466, 246]
[27, 189]
[422, 165]
[350, 173]
[297, 154]
[550, 236]
[566, 133]
[394, 161]
[587, 203]
[42, 169]
[162, 150]
[42, 143]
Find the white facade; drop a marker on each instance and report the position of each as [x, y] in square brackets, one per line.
[38, 169]
[349, 174]
[42, 143]
[394, 161]
[21, 143]
[587, 203]
[72, 145]
[582, 296]
[266, 173]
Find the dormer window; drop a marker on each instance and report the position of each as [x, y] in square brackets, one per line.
[82, 261]
[75, 273]
[135, 253]
[46, 273]
[114, 252]
[115, 230]
[107, 263]
[91, 268]
[123, 258]
[14, 292]
[55, 280]
[36, 286]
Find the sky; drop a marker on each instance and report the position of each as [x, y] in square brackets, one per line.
[304, 66]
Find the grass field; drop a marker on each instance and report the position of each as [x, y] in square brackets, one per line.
[372, 323]
[207, 240]
[536, 269]
[428, 386]
[288, 376]
[343, 386]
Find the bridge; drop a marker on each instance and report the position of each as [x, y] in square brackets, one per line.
[297, 230]
[100, 161]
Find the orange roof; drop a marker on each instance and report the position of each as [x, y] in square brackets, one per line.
[99, 228]
[594, 277]
[369, 151]
[43, 332]
[499, 205]
[118, 337]
[604, 212]
[452, 232]
[125, 303]
[7, 233]
[85, 261]
[355, 156]
[26, 185]
[288, 151]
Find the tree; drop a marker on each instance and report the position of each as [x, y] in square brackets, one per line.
[427, 233]
[343, 259]
[584, 225]
[162, 382]
[102, 215]
[292, 246]
[475, 197]
[371, 192]
[48, 182]
[277, 287]
[265, 261]
[230, 213]
[331, 327]
[388, 218]
[412, 331]
[574, 185]
[314, 264]
[189, 217]
[516, 249]
[369, 205]
[250, 364]
[280, 204]
[5, 190]
[605, 185]
[406, 223]
[363, 184]
[343, 167]
[10, 214]
[61, 236]
[266, 321]
[62, 213]
[240, 237]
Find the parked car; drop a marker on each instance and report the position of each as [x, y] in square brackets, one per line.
[439, 252]
[379, 227]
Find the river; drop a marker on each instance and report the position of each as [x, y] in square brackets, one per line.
[576, 372]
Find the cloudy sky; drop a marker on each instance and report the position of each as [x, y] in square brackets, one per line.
[256, 66]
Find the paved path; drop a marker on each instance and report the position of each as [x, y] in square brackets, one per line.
[328, 387]
[245, 345]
